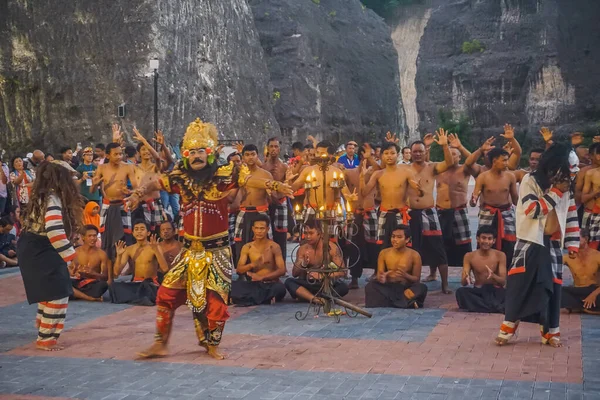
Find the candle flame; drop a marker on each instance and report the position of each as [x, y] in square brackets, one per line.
[297, 207]
[334, 175]
[339, 209]
[341, 175]
[307, 178]
[322, 208]
[348, 206]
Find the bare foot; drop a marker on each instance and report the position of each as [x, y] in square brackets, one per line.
[56, 347]
[98, 299]
[156, 350]
[213, 351]
[446, 291]
[273, 301]
[500, 341]
[430, 278]
[555, 342]
[353, 284]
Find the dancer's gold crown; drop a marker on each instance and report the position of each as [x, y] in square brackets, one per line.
[200, 135]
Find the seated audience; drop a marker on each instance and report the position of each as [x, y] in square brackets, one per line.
[8, 244]
[398, 281]
[584, 268]
[146, 259]
[169, 245]
[91, 269]
[488, 266]
[260, 266]
[306, 284]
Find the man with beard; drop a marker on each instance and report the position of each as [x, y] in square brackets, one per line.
[497, 188]
[425, 226]
[546, 223]
[202, 275]
[489, 268]
[253, 201]
[260, 266]
[91, 270]
[278, 209]
[169, 246]
[115, 218]
[451, 204]
[398, 281]
[584, 267]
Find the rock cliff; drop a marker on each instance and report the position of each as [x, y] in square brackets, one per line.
[538, 66]
[333, 68]
[65, 68]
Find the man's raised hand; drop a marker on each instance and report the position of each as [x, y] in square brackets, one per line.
[441, 137]
[391, 137]
[120, 247]
[546, 134]
[487, 145]
[428, 139]
[509, 132]
[454, 140]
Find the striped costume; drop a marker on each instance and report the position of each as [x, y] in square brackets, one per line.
[534, 280]
[44, 254]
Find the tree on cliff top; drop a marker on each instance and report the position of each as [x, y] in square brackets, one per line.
[385, 7]
[460, 127]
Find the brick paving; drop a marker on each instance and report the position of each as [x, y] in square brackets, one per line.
[432, 353]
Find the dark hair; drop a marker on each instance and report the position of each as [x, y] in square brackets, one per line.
[405, 228]
[138, 147]
[554, 161]
[6, 220]
[12, 162]
[130, 151]
[48, 155]
[536, 150]
[170, 222]
[100, 146]
[96, 157]
[54, 179]
[112, 146]
[327, 145]
[297, 146]
[405, 148]
[486, 230]
[309, 146]
[64, 149]
[273, 139]
[585, 233]
[140, 222]
[495, 153]
[262, 218]
[594, 149]
[389, 145]
[249, 147]
[312, 223]
[89, 228]
[231, 155]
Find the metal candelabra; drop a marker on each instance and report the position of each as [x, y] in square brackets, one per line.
[334, 225]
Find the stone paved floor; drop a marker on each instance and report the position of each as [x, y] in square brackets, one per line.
[433, 353]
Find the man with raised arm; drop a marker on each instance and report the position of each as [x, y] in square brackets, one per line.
[513, 160]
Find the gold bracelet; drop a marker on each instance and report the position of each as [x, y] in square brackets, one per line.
[275, 186]
[269, 184]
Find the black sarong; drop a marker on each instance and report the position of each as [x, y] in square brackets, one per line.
[572, 297]
[246, 293]
[293, 284]
[93, 289]
[456, 234]
[116, 225]
[427, 237]
[529, 285]
[395, 294]
[138, 293]
[243, 228]
[484, 299]
[45, 273]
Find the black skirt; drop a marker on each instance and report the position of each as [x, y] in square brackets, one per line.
[45, 273]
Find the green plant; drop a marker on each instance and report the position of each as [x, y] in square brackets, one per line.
[332, 14]
[475, 46]
[317, 2]
[276, 96]
[385, 8]
[460, 126]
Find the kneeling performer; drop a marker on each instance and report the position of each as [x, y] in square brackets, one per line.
[398, 275]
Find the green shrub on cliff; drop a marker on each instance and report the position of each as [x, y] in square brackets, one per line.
[385, 7]
[474, 46]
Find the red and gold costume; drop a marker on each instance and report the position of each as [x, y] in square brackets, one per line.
[201, 275]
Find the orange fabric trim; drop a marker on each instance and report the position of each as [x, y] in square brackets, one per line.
[572, 208]
[558, 192]
[556, 280]
[138, 279]
[70, 258]
[56, 306]
[53, 218]
[544, 206]
[500, 234]
[58, 238]
[516, 270]
[432, 233]
[556, 236]
[575, 229]
[404, 212]
[507, 329]
[129, 231]
[46, 343]
[51, 326]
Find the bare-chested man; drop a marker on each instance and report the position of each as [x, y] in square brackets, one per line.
[534, 160]
[513, 160]
[451, 202]
[260, 267]
[425, 226]
[584, 267]
[585, 210]
[169, 246]
[146, 259]
[496, 190]
[305, 285]
[115, 219]
[365, 218]
[488, 266]
[590, 196]
[91, 271]
[278, 209]
[393, 182]
[312, 198]
[398, 275]
[253, 202]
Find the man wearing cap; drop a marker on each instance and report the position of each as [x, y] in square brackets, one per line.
[350, 159]
[86, 172]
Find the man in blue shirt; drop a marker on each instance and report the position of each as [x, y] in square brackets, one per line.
[86, 171]
[350, 159]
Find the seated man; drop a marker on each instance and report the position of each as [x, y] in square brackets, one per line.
[146, 259]
[584, 268]
[91, 270]
[488, 265]
[169, 246]
[398, 275]
[261, 262]
[8, 244]
[305, 285]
